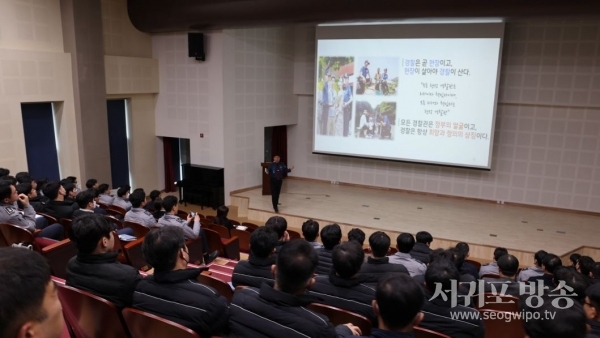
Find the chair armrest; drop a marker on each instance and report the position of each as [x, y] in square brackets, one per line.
[36, 232]
[231, 246]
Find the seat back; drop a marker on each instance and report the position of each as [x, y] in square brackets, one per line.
[139, 230]
[244, 237]
[420, 332]
[222, 288]
[490, 275]
[58, 255]
[234, 222]
[214, 241]
[90, 316]
[495, 328]
[15, 234]
[209, 217]
[116, 221]
[50, 219]
[338, 316]
[294, 234]
[133, 252]
[3, 242]
[499, 303]
[195, 251]
[102, 205]
[221, 229]
[227, 247]
[146, 325]
[475, 263]
[116, 210]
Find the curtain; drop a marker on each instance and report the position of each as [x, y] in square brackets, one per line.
[168, 159]
[279, 143]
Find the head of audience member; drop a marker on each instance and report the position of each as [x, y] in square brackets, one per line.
[576, 282]
[54, 191]
[70, 190]
[424, 237]
[137, 199]
[591, 304]
[104, 188]
[9, 179]
[568, 322]
[295, 267]
[499, 252]
[464, 248]
[574, 258]
[585, 265]
[71, 179]
[30, 305]
[222, 212]
[441, 254]
[331, 235]
[85, 200]
[154, 194]
[263, 242]
[310, 230]
[158, 204]
[405, 242]
[379, 242]
[123, 191]
[347, 259]
[96, 194]
[140, 189]
[538, 258]
[596, 271]
[23, 176]
[40, 184]
[26, 189]
[441, 272]
[165, 250]
[92, 234]
[457, 257]
[398, 302]
[550, 263]
[8, 193]
[357, 235]
[4, 172]
[279, 225]
[91, 183]
[170, 204]
[508, 265]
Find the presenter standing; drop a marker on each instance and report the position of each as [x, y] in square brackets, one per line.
[277, 172]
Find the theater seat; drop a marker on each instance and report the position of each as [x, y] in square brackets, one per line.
[133, 252]
[420, 332]
[222, 288]
[146, 325]
[139, 230]
[244, 237]
[58, 255]
[294, 234]
[227, 247]
[13, 234]
[251, 226]
[338, 316]
[116, 210]
[221, 229]
[495, 328]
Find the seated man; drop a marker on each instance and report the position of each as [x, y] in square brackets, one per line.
[95, 269]
[567, 321]
[154, 194]
[92, 183]
[331, 235]
[172, 292]
[508, 265]
[122, 199]
[137, 213]
[57, 206]
[171, 219]
[85, 201]
[34, 200]
[105, 196]
[595, 274]
[585, 266]
[378, 266]
[30, 304]
[591, 306]
[467, 267]
[310, 231]
[421, 250]
[257, 269]
[440, 316]
[357, 235]
[535, 270]
[492, 268]
[405, 243]
[550, 263]
[396, 292]
[280, 310]
[278, 225]
[344, 288]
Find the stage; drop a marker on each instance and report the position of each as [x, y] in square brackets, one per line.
[484, 225]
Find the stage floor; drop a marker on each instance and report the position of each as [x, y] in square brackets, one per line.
[526, 229]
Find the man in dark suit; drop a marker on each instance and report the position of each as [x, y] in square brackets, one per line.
[257, 269]
[378, 265]
[421, 250]
[277, 172]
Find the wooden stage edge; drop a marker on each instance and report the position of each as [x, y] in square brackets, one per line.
[478, 251]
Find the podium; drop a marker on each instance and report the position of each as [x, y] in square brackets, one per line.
[266, 181]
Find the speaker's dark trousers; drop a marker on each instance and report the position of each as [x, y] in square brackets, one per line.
[275, 191]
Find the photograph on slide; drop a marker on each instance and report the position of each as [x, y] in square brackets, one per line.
[335, 95]
[375, 120]
[377, 75]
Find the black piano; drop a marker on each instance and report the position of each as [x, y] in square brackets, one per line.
[202, 185]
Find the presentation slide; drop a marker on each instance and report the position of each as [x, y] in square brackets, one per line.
[422, 100]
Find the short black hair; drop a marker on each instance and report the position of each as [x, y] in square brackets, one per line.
[441, 271]
[399, 299]
[94, 192]
[4, 172]
[379, 242]
[331, 235]
[222, 211]
[158, 204]
[136, 198]
[83, 198]
[169, 202]
[154, 194]
[568, 322]
[508, 265]
[23, 176]
[574, 258]
[499, 252]
[9, 179]
[262, 242]
[71, 179]
[140, 189]
[424, 237]
[87, 230]
[103, 188]
[5, 190]
[593, 293]
[161, 247]
[551, 262]
[538, 258]
[463, 247]
[347, 259]
[586, 265]
[357, 235]
[596, 270]
[24, 188]
[572, 279]
[440, 253]
[90, 183]
[405, 242]
[278, 224]
[123, 190]
[296, 264]
[69, 187]
[25, 276]
[310, 230]
[457, 257]
[51, 189]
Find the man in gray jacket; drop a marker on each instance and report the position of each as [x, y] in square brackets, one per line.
[405, 243]
[137, 213]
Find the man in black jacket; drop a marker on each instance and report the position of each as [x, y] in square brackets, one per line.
[344, 288]
[377, 266]
[591, 306]
[173, 292]
[257, 269]
[278, 225]
[57, 206]
[331, 235]
[550, 263]
[95, 268]
[467, 267]
[280, 311]
[421, 250]
[508, 265]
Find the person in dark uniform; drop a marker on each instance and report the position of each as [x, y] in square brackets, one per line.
[277, 172]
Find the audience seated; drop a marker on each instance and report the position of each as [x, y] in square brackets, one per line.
[58, 207]
[310, 232]
[458, 258]
[549, 263]
[154, 194]
[97, 209]
[574, 258]
[535, 270]
[438, 310]
[331, 235]
[92, 183]
[506, 284]
[421, 250]
[34, 200]
[279, 311]
[257, 269]
[595, 274]
[357, 235]
[86, 203]
[105, 196]
[29, 301]
[70, 192]
[568, 282]
[221, 217]
[467, 267]
[172, 292]
[122, 199]
[279, 225]
[171, 219]
[377, 266]
[95, 268]
[585, 266]
[567, 322]
[492, 268]
[137, 213]
[591, 306]
[345, 288]
[159, 210]
[405, 243]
